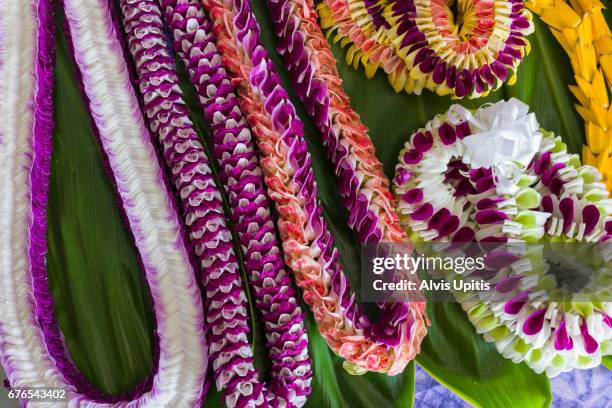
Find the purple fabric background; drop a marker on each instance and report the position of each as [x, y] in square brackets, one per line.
[576, 389]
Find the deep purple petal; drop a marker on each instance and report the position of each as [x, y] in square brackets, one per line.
[422, 213]
[486, 203]
[449, 226]
[403, 176]
[413, 195]
[508, 284]
[464, 235]
[534, 323]
[447, 134]
[463, 129]
[516, 303]
[490, 217]
[547, 204]
[439, 73]
[451, 76]
[439, 218]
[464, 84]
[562, 339]
[413, 156]
[486, 73]
[485, 184]
[422, 141]
[542, 163]
[607, 319]
[590, 217]
[590, 344]
[566, 206]
[500, 70]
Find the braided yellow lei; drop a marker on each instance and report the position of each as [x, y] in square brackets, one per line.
[582, 31]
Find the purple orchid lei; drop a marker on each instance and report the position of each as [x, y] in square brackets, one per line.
[386, 346]
[494, 176]
[202, 206]
[235, 151]
[31, 349]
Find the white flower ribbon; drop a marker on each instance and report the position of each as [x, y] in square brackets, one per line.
[505, 137]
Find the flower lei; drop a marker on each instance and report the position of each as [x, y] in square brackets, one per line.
[419, 44]
[582, 31]
[494, 176]
[316, 81]
[386, 346]
[32, 349]
[226, 301]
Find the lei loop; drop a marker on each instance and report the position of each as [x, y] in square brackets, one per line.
[33, 350]
[551, 199]
[421, 44]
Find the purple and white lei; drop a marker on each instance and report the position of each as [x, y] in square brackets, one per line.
[31, 351]
[227, 314]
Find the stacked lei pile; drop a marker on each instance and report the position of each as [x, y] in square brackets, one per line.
[494, 176]
[423, 44]
[120, 117]
[487, 176]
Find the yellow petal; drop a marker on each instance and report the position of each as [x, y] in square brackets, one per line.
[603, 45]
[600, 26]
[512, 79]
[596, 138]
[350, 54]
[585, 6]
[586, 113]
[599, 89]
[370, 69]
[584, 62]
[560, 16]
[606, 65]
[588, 157]
[537, 6]
[600, 114]
[585, 30]
[567, 38]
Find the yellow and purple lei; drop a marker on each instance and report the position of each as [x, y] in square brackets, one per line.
[423, 44]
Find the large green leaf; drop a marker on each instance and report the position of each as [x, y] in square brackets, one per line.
[102, 302]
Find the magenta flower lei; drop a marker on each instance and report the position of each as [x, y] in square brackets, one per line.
[386, 346]
[226, 301]
[31, 349]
